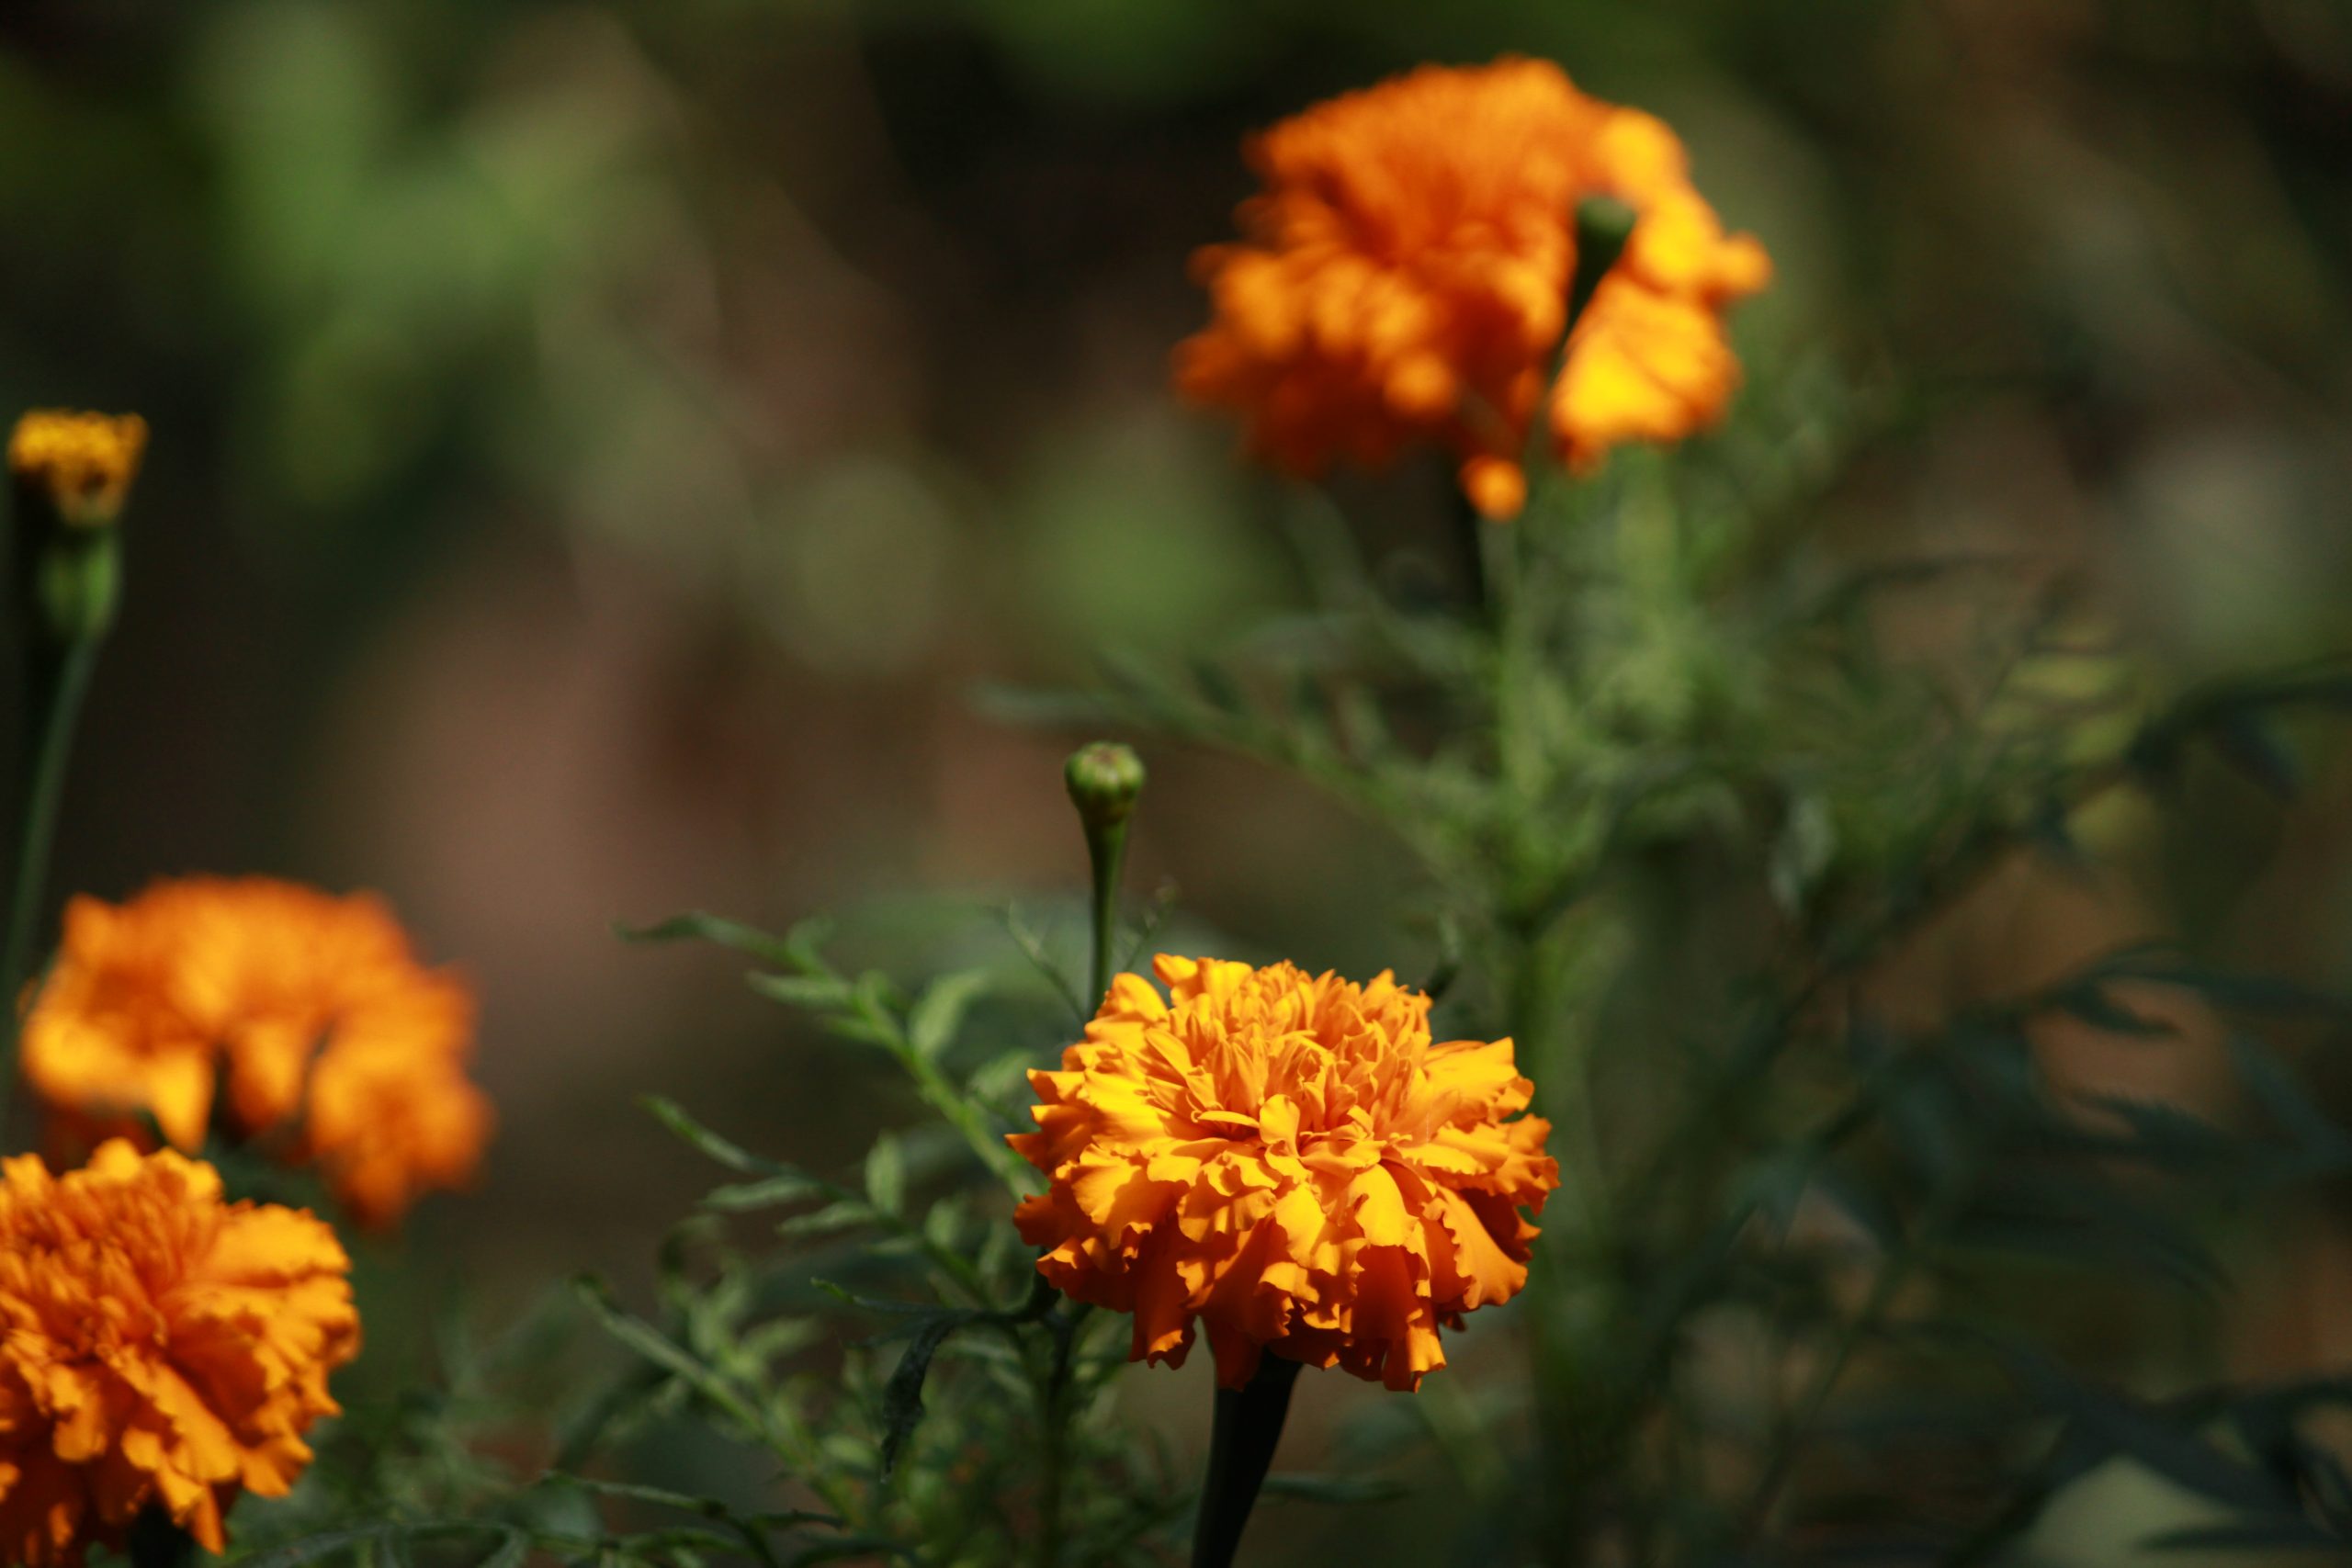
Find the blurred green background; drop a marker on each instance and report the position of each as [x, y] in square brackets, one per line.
[600, 448]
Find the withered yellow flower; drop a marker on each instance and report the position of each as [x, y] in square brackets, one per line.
[266, 1006]
[1289, 1159]
[1404, 273]
[81, 463]
[159, 1347]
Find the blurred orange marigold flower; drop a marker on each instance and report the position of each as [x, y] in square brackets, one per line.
[1288, 1158]
[1404, 273]
[274, 1007]
[162, 1348]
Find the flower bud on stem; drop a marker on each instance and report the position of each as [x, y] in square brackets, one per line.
[71, 474]
[1248, 1428]
[1106, 779]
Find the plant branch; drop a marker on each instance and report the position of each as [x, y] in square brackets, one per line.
[61, 677]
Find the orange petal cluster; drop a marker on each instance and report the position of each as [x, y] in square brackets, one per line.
[1404, 273]
[159, 1347]
[1289, 1159]
[276, 1010]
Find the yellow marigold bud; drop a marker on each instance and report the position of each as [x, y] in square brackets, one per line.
[79, 465]
[164, 1349]
[1289, 1159]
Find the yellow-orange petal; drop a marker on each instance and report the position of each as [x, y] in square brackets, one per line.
[1288, 1161]
[164, 1349]
[1402, 277]
[1497, 487]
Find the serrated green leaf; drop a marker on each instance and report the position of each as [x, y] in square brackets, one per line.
[657, 1348]
[734, 1156]
[848, 1297]
[769, 1193]
[885, 1175]
[1002, 1076]
[938, 1013]
[635, 1492]
[844, 1214]
[779, 1337]
[902, 1396]
[814, 993]
[697, 926]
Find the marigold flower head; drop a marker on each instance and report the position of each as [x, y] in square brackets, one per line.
[1403, 279]
[159, 1347]
[1289, 1159]
[80, 463]
[265, 1006]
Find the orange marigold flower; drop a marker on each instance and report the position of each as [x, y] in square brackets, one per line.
[264, 1005]
[1404, 279]
[1288, 1158]
[162, 1348]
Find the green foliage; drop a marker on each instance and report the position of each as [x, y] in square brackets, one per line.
[891, 1356]
[1657, 711]
[1677, 795]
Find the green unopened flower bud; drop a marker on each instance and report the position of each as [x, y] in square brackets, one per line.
[1105, 779]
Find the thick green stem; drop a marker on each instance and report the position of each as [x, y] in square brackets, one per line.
[1055, 1417]
[1104, 780]
[1107, 847]
[1241, 1449]
[60, 677]
[1577, 1328]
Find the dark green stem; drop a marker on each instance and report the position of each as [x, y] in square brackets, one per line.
[1055, 1417]
[1104, 780]
[60, 677]
[1241, 1448]
[1107, 848]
